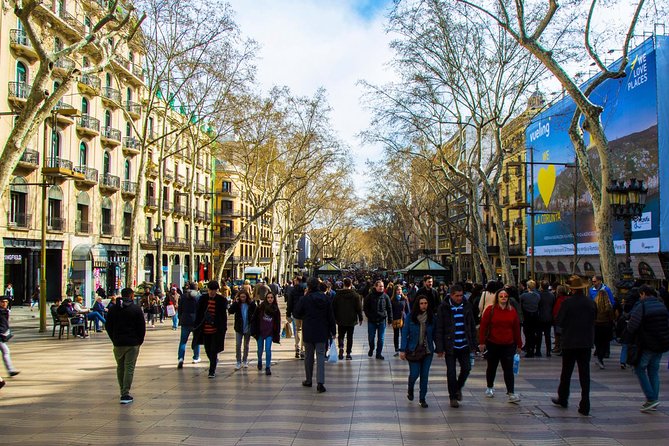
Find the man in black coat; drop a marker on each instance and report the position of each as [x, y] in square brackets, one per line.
[187, 310]
[454, 338]
[347, 306]
[126, 329]
[211, 324]
[318, 325]
[432, 295]
[576, 318]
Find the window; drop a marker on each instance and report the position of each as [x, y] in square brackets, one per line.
[126, 170]
[107, 227]
[127, 219]
[227, 186]
[128, 129]
[187, 233]
[55, 221]
[166, 194]
[128, 95]
[108, 119]
[83, 216]
[175, 229]
[149, 227]
[83, 154]
[55, 148]
[106, 163]
[18, 198]
[84, 106]
[21, 72]
[108, 80]
[57, 44]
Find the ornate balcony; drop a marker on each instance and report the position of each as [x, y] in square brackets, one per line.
[167, 207]
[151, 170]
[107, 229]
[228, 213]
[88, 125]
[59, 167]
[89, 84]
[20, 44]
[132, 72]
[19, 220]
[29, 160]
[111, 97]
[83, 227]
[90, 176]
[110, 137]
[63, 119]
[133, 108]
[56, 224]
[131, 146]
[18, 93]
[150, 204]
[179, 180]
[129, 188]
[168, 175]
[109, 183]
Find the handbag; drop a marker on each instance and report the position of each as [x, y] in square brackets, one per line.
[398, 323]
[288, 328]
[170, 310]
[416, 354]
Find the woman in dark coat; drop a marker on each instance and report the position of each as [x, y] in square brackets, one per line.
[211, 323]
[265, 328]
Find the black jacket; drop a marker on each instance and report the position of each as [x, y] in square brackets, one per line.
[433, 299]
[318, 322]
[254, 320]
[4, 320]
[187, 308]
[125, 324]
[293, 299]
[444, 333]
[236, 309]
[220, 320]
[651, 319]
[546, 302]
[577, 320]
[347, 307]
[377, 307]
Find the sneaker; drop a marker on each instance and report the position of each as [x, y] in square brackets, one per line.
[423, 404]
[126, 399]
[268, 371]
[245, 364]
[370, 352]
[320, 388]
[649, 406]
[557, 402]
[349, 357]
[306, 383]
[302, 355]
[297, 355]
[489, 392]
[341, 355]
[380, 357]
[623, 366]
[454, 403]
[14, 373]
[410, 394]
[211, 376]
[259, 367]
[196, 360]
[238, 366]
[458, 395]
[513, 398]
[180, 364]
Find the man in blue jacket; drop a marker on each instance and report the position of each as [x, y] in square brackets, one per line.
[318, 327]
[126, 329]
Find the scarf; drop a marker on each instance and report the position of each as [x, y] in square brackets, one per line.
[422, 318]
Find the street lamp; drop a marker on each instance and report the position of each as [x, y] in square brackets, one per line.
[627, 202]
[72, 112]
[157, 233]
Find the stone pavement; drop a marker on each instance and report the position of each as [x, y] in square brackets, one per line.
[67, 394]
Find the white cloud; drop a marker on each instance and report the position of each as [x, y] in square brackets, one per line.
[306, 44]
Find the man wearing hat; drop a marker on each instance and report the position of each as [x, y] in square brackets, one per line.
[211, 323]
[576, 318]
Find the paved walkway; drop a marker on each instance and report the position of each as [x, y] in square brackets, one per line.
[67, 394]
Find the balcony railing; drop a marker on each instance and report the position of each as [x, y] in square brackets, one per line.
[112, 133]
[107, 229]
[30, 156]
[110, 181]
[89, 122]
[19, 37]
[83, 227]
[19, 90]
[167, 206]
[112, 94]
[90, 174]
[180, 209]
[228, 234]
[227, 213]
[18, 220]
[56, 224]
[126, 231]
[130, 142]
[71, 20]
[132, 107]
[151, 202]
[58, 163]
[91, 81]
[129, 187]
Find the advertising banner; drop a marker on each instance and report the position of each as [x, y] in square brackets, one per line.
[561, 202]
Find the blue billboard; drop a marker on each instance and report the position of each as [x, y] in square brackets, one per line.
[562, 204]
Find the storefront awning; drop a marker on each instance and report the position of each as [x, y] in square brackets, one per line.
[96, 253]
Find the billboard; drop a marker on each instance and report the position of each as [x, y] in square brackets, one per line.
[562, 204]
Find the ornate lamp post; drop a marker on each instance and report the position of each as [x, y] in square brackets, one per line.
[627, 202]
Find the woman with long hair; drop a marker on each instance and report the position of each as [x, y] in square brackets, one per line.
[265, 327]
[418, 346]
[500, 335]
[603, 326]
[243, 308]
[400, 305]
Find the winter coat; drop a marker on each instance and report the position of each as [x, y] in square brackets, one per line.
[576, 318]
[293, 298]
[445, 327]
[347, 307]
[188, 308]
[125, 324]
[236, 309]
[220, 320]
[651, 319]
[318, 322]
[255, 323]
[411, 334]
[377, 308]
[546, 303]
[400, 307]
[433, 299]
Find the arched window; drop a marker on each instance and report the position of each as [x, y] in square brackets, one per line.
[84, 106]
[106, 164]
[108, 119]
[55, 147]
[83, 154]
[21, 72]
[107, 227]
[128, 129]
[126, 170]
[83, 224]
[18, 202]
[55, 221]
[128, 94]
[108, 80]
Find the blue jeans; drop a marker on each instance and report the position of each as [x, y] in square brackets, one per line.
[623, 353]
[267, 344]
[185, 332]
[175, 321]
[96, 318]
[648, 372]
[420, 369]
[372, 329]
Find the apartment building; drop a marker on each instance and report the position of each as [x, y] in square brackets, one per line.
[90, 162]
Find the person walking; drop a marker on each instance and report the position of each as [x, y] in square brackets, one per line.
[500, 334]
[432, 294]
[529, 303]
[379, 311]
[597, 285]
[318, 325]
[243, 308]
[576, 319]
[211, 323]
[260, 291]
[126, 328]
[418, 346]
[299, 288]
[347, 307]
[5, 335]
[603, 326]
[9, 294]
[455, 336]
[171, 305]
[187, 311]
[546, 304]
[400, 306]
[649, 321]
[561, 295]
[265, 328]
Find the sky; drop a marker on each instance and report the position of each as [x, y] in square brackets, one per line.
[307, 44]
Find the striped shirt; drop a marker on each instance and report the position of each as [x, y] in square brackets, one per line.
[211, 309]
[459, 338]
